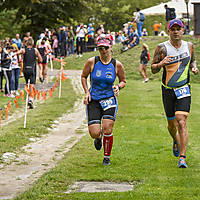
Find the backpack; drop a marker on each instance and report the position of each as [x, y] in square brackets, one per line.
[142, 17]
[172, 13]
[148, 57]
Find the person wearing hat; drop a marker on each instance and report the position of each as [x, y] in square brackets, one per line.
[144, 58]
[100, 99]
[16, 68]
[176, 57]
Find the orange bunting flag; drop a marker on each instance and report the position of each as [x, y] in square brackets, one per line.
[50, 92]
[27, 90]
[53, 88]
[9, 107]
[38, 95]
[22, 95]
[63, 76]
[15, 100]
[56, 84]
[6, 111]
[17, 97]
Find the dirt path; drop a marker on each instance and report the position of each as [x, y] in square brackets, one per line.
[43, 154]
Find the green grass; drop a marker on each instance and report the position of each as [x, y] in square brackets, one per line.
[142, 152]
[142, 149]
[38, 120]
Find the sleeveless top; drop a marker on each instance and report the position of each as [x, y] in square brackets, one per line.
[176, 73]
[102, 79]
[29, 57]
[41, 50]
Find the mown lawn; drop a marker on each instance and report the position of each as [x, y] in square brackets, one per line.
[142, 149]
[142, 152]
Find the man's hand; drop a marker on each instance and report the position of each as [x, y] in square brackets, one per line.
[195, 70]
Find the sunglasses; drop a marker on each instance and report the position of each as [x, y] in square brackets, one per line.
[103, 48]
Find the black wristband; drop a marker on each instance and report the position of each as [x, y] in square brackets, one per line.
[119, 87]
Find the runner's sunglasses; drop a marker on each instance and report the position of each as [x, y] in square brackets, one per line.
[103, 48]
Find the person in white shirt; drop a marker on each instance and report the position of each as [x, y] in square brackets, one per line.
[80, 39]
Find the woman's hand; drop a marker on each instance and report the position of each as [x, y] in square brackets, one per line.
[116, 90]
[87, 98]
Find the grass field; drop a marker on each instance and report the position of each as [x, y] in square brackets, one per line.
[142, 150]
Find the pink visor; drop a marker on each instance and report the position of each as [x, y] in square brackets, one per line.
[103, 42]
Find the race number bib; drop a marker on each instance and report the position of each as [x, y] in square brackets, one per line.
[108, 103]
[182, 92]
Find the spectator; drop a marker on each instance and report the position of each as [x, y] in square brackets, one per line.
[55, 46]
[169, 15]
[139, 22]
[156, 27]
[144, 32]
[144, 58]
[91, 35]
[17, 41]
[1, 71]
[15, 66]
[5, 64]
[80, 40]
[62, 42]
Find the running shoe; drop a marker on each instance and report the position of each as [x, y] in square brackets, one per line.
[176, 152]
[182, 163]
[30, 104]
[106, 161]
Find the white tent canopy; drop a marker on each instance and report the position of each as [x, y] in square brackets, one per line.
[179, 5]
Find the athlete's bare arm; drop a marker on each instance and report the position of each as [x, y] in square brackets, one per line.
[160, 58]
[193, 64]
[37, 53]
[86, 71]
[121, 74]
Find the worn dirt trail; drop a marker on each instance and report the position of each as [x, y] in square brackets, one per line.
[42, 155]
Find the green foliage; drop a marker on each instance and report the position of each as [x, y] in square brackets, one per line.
[35, 15]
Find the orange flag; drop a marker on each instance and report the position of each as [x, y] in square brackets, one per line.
[22, 95]
[63, 77]
[9, 106]
[15, 100]
[53, 88]
[6, 111]
[27, 90]
[38, 95]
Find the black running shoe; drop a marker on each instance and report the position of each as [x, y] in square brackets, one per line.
[30, 104]
[41, 80]
[98, 143]
[106, 161]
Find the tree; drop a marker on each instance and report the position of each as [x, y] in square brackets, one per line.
[38, 14]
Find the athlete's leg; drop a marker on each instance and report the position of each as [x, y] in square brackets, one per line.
[141, 71]
[95, 130]
[40, 70]
[145, 71]
[172, 128]
[107, 126]
[182, 125]
[45, 71]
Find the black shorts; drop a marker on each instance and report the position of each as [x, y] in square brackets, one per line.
[172, 104]
[95, 112]
[30, 74]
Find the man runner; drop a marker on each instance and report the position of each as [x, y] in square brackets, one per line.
[176, 56]
[29, 62]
